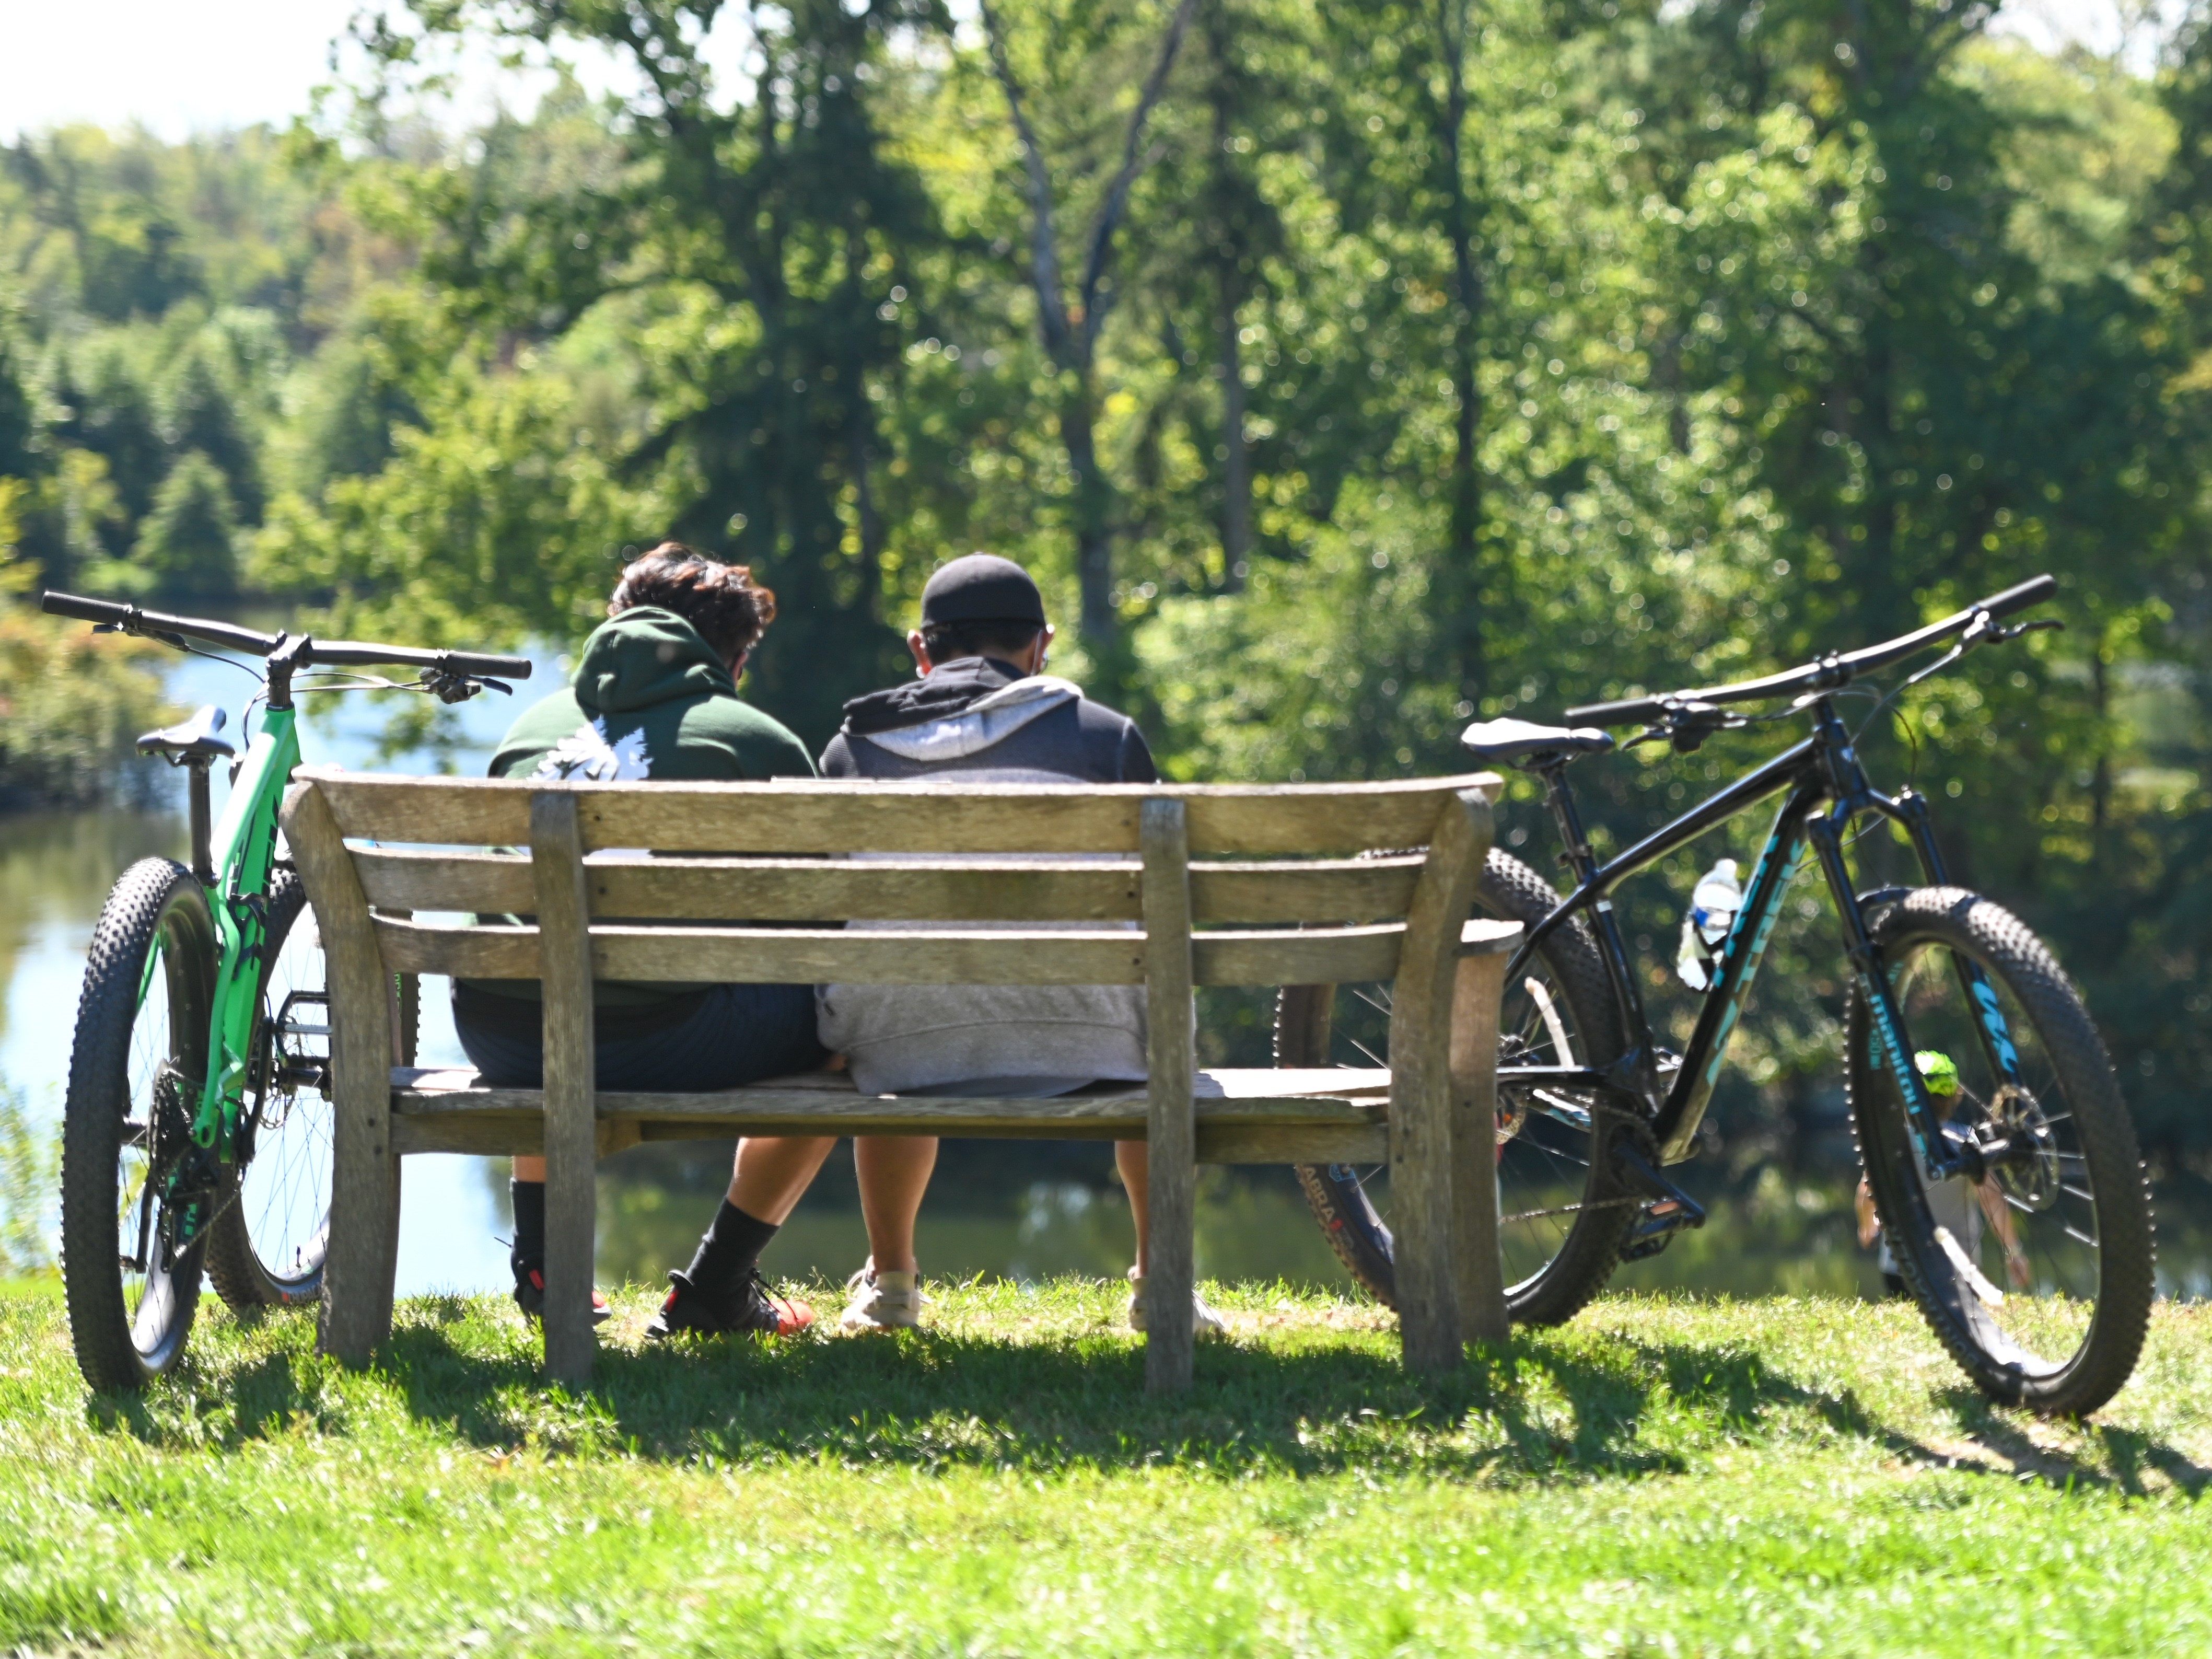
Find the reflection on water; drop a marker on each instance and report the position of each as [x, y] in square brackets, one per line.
[986, 1214]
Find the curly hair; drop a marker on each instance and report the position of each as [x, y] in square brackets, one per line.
[720, 600]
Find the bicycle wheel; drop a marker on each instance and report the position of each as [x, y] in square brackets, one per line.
[135, 1072]
[266, 1250]
[2036, 1278]
[1562, 1216]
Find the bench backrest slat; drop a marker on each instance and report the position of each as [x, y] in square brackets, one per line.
[776, 956]
[816, 816]
[1006, 884]
[894, 890]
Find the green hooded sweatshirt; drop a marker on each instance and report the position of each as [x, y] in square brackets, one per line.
[650, 699]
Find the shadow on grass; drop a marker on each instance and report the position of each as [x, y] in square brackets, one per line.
[2127, 1462]
[1546, 1406]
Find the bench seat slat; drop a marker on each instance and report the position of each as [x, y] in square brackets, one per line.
[1239, 1109]
[820, 816]
[800, 956]
[893, 890]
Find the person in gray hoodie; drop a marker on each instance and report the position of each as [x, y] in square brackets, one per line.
[981, 710]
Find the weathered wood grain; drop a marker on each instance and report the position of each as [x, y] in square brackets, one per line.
[983, 889]
[571, 1127]
[1170, 1241]
[1224, 1088]
[825, 816]
[363, 1250]
[779, 956]
[1424, 1206]
[499, 1135]
[1474, 1016]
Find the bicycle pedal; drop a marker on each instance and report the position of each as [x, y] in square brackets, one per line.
[1668, 1210]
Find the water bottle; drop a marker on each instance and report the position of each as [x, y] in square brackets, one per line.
[1713, 905]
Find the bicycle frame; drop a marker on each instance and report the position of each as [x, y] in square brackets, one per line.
[1826, 790]
[242, 851]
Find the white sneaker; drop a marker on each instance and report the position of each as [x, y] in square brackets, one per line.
[883, 1301]
[1204, 1321]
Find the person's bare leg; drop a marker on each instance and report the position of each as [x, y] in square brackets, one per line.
[771, 1172]
[529, 1169]
[1133, 1159]
[894, 1172]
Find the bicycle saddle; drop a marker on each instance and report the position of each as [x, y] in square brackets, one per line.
[1511, 741]
[188, 740]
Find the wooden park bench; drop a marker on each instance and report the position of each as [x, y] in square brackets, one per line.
[1169, 886]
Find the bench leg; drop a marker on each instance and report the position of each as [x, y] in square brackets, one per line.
[1171, 1129]
[572, 1140]
[1424, 1250]
[1427, 1177]
[571, 1231]
[1478, 1271]
[363, 1253]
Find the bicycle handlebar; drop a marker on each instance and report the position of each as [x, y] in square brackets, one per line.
[331, 654]
[1830, 671]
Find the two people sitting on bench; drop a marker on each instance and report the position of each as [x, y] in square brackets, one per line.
[654, 696]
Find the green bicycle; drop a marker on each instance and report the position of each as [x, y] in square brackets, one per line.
[196, 1137]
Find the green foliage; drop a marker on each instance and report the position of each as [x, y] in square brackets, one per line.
[30, 1169]
[1392, 365]
[188, 544]
[69, 707]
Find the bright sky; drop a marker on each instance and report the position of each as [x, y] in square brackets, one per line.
[178, 66]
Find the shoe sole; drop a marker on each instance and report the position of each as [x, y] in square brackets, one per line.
[865, 1325]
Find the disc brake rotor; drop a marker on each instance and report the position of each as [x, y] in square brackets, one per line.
[2029, 1172]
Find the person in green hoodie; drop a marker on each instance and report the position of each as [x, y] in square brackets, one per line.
[655, 696]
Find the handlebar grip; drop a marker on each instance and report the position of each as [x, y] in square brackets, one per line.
[2034, 591]
[1627, 713]
[474, 662]
[83, 610]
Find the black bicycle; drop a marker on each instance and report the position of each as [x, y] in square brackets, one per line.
[1996, 1146]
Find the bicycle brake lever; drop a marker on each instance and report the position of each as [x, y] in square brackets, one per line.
[450, 687]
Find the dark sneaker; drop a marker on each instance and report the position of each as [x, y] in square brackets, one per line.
[746, 1306]
[530, 1296]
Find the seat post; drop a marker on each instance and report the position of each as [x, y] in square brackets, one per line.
[1569, 820]
[203, 819]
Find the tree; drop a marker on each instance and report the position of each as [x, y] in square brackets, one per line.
[756, 241]
[1070, 326]
[197, 401]
[188, 545]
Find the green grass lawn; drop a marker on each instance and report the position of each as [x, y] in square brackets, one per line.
[1659, 1476]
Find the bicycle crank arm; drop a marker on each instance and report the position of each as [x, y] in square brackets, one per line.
[1668, 1209]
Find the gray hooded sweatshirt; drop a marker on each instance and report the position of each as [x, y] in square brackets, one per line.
[979, 720]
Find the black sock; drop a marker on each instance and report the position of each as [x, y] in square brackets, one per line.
[528, 1198]
[730, 1248]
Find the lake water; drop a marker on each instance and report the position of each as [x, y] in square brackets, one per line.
[1024, 1209]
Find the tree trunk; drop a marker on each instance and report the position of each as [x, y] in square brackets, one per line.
[1094, 510]
[1463, 589]
[1237, 463]
[1236, 457]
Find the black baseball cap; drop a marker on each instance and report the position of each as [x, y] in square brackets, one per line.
[981, 587]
